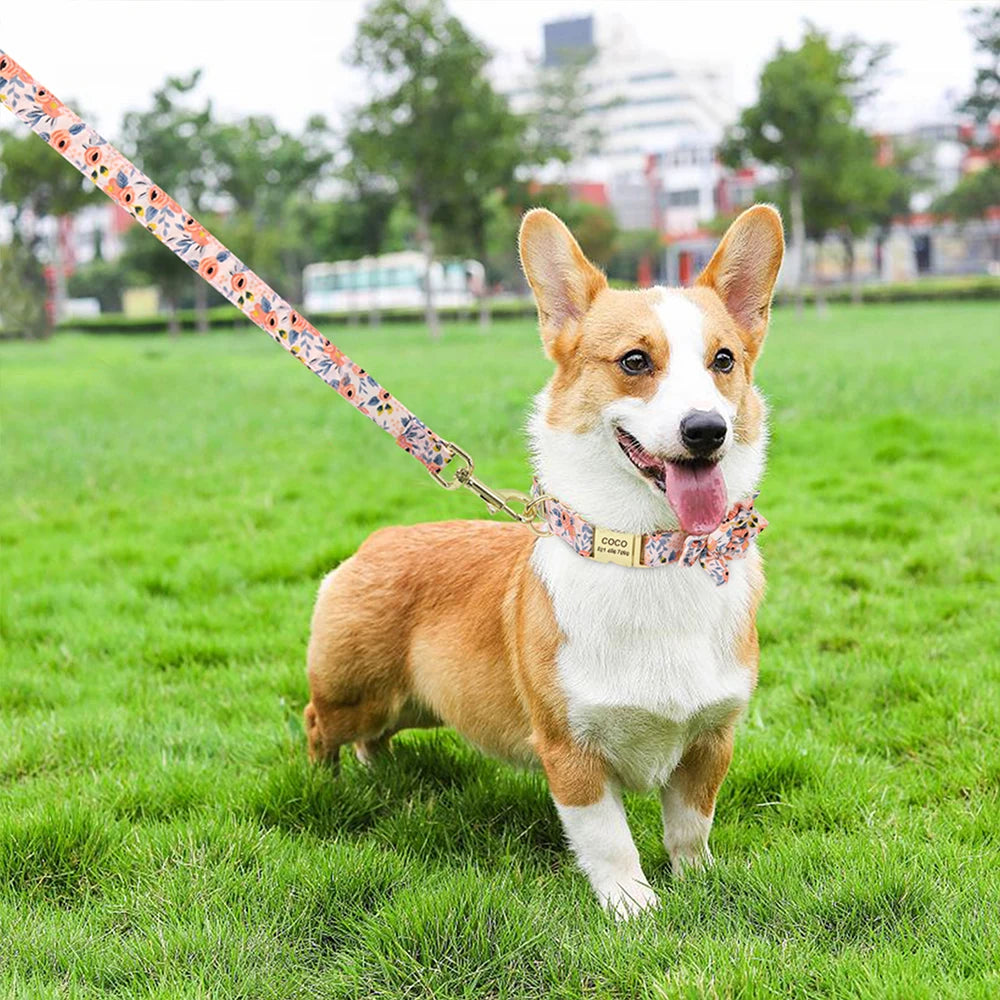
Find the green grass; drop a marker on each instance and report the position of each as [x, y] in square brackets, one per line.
[167, 511]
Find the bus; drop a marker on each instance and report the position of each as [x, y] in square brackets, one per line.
[391, 281]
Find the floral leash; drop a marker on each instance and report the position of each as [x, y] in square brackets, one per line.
[183, 235]
[178, 230]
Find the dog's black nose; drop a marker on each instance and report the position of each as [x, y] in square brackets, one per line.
[702, 431]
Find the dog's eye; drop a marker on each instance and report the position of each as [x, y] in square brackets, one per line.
[723, 361]
[635, 363]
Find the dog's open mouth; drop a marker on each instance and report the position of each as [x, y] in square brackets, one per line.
[695, 489]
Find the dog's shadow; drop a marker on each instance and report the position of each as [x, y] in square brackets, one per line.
[431, 793]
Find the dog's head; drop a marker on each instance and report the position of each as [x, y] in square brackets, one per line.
[651, 418]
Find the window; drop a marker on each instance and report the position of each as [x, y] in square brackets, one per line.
[658, 123]
[667, 74]
[687, 198]
[658, 99]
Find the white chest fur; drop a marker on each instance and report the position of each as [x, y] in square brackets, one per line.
[649, 658]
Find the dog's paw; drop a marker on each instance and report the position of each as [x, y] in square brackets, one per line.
[689, 857]
[368, 752]
[626, 901]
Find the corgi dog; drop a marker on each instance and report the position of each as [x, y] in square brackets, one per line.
[610, 676]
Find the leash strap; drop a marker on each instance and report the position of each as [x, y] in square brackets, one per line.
[183, 235]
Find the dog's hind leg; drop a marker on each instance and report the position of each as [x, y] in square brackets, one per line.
[320, 752]
[357, 680]
[358, 663]
[367, 750]
[331, 723]
[411, 716]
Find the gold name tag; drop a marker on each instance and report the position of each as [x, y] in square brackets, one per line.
[617, 547]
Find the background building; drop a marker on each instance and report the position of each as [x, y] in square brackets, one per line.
[644, 104]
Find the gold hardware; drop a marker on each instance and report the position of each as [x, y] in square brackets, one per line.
[621, 547]
[496, 501]
[457, 483]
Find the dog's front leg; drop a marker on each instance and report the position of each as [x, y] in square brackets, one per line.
[688, 799]
[590, 806]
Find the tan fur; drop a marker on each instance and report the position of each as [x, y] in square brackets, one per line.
[588, 375]
[411, 625]
[444, 623]
[447, 623]
[576, 775]
[703, 767]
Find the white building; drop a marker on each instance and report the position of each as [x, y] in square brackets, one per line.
[645, 103]
[939, 157]
[97, 229]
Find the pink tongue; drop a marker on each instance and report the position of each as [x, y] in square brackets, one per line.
[697, 494]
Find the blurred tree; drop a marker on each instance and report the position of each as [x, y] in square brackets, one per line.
[22, 306]
[262, 168]
[979, 190]
[504, 212]
[594, 226]
[169, 141]
[435, 129]
[271, 177]
[849, 192]
[803, 118]
[172, 143]
[99, 279]
[595, 229]
[634, 246]
[566, 125]
[983, 104]
[896, 187]
[146, 261]
[973, 195]
[487, 182]
[38, 183]
[361, 223]
[364, 215]
[362, 219]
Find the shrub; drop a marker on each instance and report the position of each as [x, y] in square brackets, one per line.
[925, 290]
[225, 317]
[101, 280]
[22, 307]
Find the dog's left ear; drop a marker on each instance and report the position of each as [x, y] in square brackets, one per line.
[744, 268]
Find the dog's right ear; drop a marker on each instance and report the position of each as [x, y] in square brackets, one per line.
[564, 282]
[745, 267]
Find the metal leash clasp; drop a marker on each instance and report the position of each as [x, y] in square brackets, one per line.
[497, 501]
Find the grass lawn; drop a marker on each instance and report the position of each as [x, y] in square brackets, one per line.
[167, 511]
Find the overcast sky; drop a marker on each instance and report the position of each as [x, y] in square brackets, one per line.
[285, 57]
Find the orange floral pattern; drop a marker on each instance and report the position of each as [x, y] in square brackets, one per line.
[208, 268]
[147, 203]
[713, 552]
[60, 140]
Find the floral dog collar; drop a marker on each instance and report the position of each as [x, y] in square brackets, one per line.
[712, 552]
